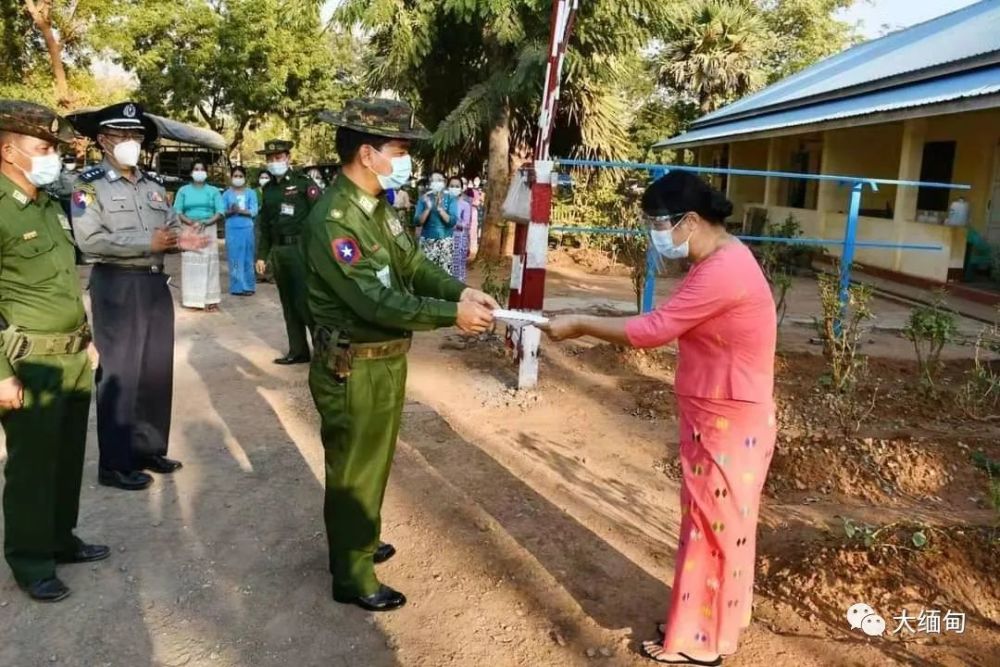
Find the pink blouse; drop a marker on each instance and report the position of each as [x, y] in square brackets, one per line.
[723, 318]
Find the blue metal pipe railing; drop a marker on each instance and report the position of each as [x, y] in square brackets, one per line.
[849, 243]
[616, 231]
[664, 168]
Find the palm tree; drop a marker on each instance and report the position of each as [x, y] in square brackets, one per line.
[715, 51]
[474, 70]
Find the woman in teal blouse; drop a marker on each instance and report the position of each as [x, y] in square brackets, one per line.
[200, 207]
[436, 215]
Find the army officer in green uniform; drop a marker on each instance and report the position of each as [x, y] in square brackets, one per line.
[287, 200]
[47, 360]
[370, 287]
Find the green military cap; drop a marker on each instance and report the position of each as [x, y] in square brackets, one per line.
[272, 146]
[381, 117]
[34, 120]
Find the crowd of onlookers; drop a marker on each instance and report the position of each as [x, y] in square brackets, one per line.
[443, 213]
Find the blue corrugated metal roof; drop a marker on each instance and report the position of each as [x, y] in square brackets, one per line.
[945, 89]
[963, 34]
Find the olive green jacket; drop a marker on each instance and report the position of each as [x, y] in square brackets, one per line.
[39, 288]
[366, 277]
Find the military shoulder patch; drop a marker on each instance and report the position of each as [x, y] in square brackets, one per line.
[81, 199]
[92, 174]
[346, 250]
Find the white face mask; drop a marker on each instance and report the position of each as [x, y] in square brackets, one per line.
[663, 241]
[69, 166]
[199, 176]
[437, 186]
[127, 152]
[402, 168]
[45, 169]
[239, 181]
[263, 181]
[455, 192]
[279, 169]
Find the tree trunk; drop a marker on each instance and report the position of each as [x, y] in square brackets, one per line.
[498, 172]
[237, 141]
[41, 14]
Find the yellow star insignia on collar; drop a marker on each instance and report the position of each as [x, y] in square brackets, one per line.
[336, 214]
[367, 204]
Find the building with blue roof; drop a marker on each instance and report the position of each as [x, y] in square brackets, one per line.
[918, 104]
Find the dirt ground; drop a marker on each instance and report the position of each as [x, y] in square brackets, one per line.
[534, 528]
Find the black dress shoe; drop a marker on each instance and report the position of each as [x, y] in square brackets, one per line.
[48, 590]
[384, 553]
[289, 360]
[385, 599]
[132, 480]
[85, 553]
[161, 464]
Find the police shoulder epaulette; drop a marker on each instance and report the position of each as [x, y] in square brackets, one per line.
[92, 174]
[156, 178]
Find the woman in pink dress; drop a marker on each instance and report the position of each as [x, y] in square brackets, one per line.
[723, 318]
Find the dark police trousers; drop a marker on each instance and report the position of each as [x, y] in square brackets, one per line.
[134, 332]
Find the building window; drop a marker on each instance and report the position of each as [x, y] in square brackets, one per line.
[937, 166]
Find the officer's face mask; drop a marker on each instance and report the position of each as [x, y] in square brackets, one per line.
[126, 153]
[199, 176]
[45, 169]
[401, 167]
[278, 168]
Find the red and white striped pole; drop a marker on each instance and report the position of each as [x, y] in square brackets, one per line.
[531, 241]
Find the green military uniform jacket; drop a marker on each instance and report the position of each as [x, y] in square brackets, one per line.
[367, 279]
[286, 203]
[39, 289]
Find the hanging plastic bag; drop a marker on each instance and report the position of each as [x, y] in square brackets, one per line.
[517, 203]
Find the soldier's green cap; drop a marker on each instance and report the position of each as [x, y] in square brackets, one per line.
[34, 120]
[380, 117]
[272, 146]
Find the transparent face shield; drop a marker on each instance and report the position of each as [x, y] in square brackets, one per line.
[662, 234]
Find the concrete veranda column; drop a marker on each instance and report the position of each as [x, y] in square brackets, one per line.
[910, 162]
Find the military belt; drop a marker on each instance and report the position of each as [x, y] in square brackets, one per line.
[20, 344]
[324, 342]
[292, 239]
[155, 269]
[384, 350]
[339, 354]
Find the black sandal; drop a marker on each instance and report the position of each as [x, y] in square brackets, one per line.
[686, 660]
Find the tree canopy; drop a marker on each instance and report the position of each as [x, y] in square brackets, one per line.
[229, 63]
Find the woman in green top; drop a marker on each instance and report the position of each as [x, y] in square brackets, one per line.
[200, 206]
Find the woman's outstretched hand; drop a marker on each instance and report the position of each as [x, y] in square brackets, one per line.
[562, 327]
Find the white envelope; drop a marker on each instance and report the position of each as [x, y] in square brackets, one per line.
[518, 318]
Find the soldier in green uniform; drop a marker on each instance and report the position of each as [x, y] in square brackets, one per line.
[287, 200]
[370, 287]
[46, 357]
